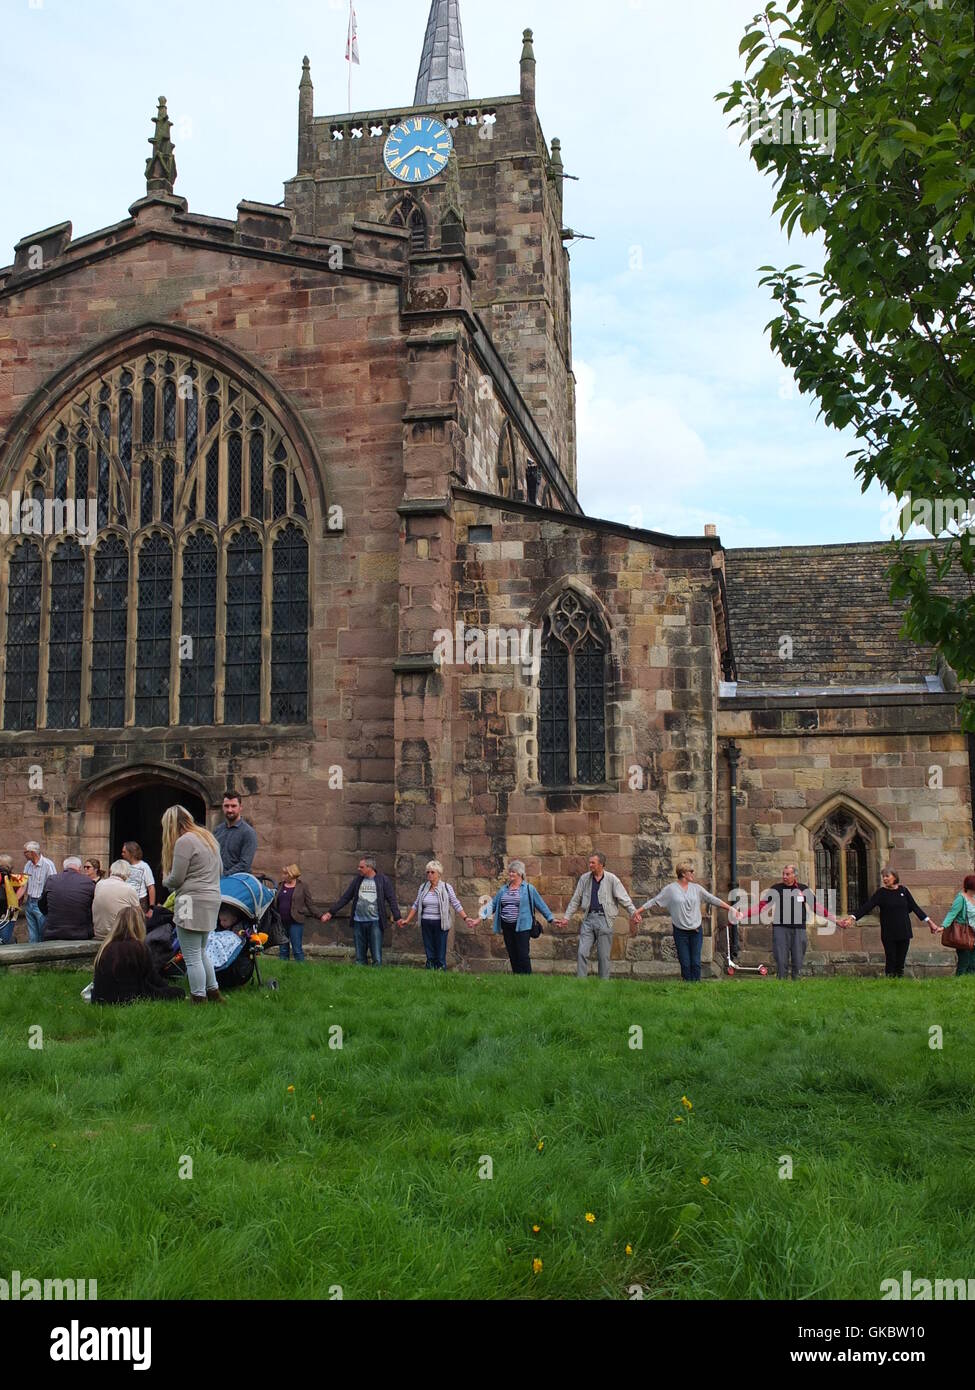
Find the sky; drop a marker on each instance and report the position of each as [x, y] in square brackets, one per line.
[685, 415]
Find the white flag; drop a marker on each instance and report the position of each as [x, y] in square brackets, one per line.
[352, 47]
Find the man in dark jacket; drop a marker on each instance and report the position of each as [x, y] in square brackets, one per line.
[373, 899]
[66, 904]
[237, 839]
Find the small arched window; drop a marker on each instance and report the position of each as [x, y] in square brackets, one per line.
[844, 852]
[572, 695]
[407, 214]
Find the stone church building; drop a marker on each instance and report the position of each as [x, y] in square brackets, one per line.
[316, 438]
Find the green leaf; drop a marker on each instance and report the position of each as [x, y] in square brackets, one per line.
[890, 150]
[689, 1213]
[825, 21]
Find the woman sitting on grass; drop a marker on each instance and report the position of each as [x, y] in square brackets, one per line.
[124, 970]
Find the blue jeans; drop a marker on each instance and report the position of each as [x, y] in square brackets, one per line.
[434, 943]
[688, 945]
[294, 930]
[368, 935]
[35, 919]
[7, 931]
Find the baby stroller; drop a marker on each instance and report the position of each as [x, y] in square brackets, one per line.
[238, 941]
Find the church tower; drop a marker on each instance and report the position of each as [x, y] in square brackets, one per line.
[507, 194]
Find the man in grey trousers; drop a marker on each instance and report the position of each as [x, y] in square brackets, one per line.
[598, 894]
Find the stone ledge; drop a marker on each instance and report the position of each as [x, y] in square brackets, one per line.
[47, 955]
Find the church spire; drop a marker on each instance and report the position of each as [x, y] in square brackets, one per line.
[161, 164]
[443, 71]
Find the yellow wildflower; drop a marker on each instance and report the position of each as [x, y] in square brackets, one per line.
[686, 1103]
[705, 1181]
[590, 1217]
[291, 1090]
[541, 1145]
[629, 1249]
[536, 1266]
[536, 1229]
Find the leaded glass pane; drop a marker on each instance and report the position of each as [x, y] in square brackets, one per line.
[235, 454]
[109, 634]
[155, 610]
[289, 628]
[61, 473]
[242, 701]
[212, 482]
[125, 432]
[104, 486]
[145, 509]
[590, 720]
[196, 672]
[148, 413]
[191, 426]
[299, 497]
[23, 637]
[168, 487]
[213, 413]
[257, 476]
[67, 630]
[279, 492]
[169, 412]
[80, 473]
[553, 714]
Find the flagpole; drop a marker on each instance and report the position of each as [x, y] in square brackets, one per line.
[348, 53]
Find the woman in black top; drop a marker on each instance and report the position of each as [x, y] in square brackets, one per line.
[895, 905]
[124, 969]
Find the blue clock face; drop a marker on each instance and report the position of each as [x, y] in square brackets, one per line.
[417, 149]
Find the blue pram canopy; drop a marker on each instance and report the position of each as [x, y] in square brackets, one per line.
[246, 893]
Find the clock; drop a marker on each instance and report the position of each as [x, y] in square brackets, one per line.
[417, 149]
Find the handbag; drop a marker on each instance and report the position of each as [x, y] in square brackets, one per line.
[959, 936]
[536, 930]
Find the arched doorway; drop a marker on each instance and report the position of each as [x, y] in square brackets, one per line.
[137, 815]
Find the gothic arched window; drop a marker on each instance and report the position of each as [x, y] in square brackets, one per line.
[572, 695]
[154, 464]
[844, 854]
[407, 214]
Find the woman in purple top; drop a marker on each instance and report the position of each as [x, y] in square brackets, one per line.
[294, 903]
[434, 902]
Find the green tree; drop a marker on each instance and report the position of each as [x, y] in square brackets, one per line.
[863, 112]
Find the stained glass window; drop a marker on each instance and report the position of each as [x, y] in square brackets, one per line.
[23, 636]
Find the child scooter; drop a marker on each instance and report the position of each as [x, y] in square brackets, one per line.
[732, 968]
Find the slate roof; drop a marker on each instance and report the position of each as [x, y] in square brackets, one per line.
[832, 601]
[443, 71]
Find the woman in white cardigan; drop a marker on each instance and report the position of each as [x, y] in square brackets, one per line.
[434, 902]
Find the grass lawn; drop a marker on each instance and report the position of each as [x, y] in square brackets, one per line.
[366, 1175]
